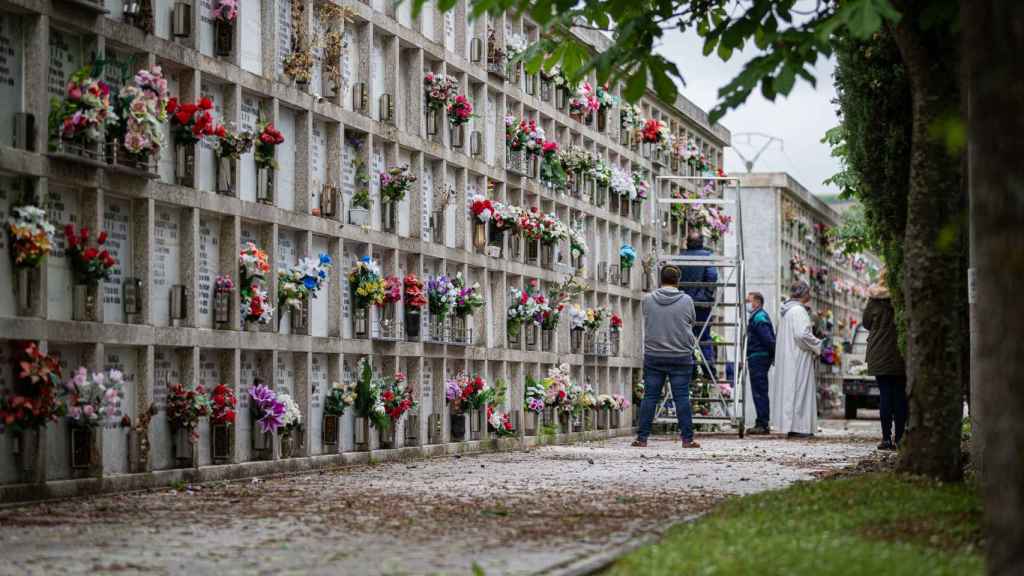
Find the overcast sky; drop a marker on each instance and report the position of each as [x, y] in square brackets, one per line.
[799, 120]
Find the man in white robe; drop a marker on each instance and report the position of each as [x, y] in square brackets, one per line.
[794, 394]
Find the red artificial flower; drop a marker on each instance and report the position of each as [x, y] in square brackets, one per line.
[84, 233]
[182, 116]
[172, 105]
[205, 103]
[103, 237]
[220, 131]
[90, 253]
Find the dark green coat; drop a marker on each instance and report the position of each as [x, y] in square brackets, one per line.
[883, 356]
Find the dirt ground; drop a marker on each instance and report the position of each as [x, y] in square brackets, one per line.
[506, 513]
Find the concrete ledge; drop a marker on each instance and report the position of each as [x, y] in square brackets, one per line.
[15, 494]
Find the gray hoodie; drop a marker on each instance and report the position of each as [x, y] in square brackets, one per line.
[668, 325]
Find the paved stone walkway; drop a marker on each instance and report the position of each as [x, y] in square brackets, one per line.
[508, 513]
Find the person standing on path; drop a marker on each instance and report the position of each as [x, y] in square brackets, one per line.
[795, 393]
[703, 296]
[885, 363]
[668, 354]
[760, 357]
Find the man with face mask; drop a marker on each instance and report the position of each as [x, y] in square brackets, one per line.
[760, 357]
[795, 394]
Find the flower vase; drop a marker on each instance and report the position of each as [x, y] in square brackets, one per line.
[547, 252]
[457, 135]
[548, 418]
[412, 323]
[226, 176]
[361, 433]
[565, 422]
[613, 203]
[261, 441]
[331, 430]
[437, 227]
[388, 216]
[182, 445]
[616, 417]
[358, 216]
[433, 121]
[84, 302]
[545, 90]
[222, 307]
[636, 209]
[624, 207]
[387, 436]
[220, 443]
[185, 164]
[516, 242]
[561, 98]
[458, 427]
[224, 38]
[646, 281]
[532, 166]
[476, 425]
[26, 285]
[533, 252]
[547, 339]
[83, 447]
[359, 322]
[602, 419]
[265, 185]
[602, 119]
[299, 317]
[600, 195]
[576, 339]
[588, 342]
[288, 448]
[387, 321]
[531, 336]
[614, 342]
[479, 235]
[513, 337]
[624, 277]
[437, 328]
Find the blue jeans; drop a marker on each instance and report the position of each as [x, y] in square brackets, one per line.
[656, 370]
[759, 366]
[892, 404]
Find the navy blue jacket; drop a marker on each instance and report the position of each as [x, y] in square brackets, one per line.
[760, 336]
[699, 274]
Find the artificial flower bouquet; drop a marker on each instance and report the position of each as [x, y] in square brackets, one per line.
[468, 392]
[32, 400]
[557, 386]
[392, 290]
[395, 182]
[551, 172]
[231, 144]
[468, 298]
[85, 113]
[291, 419]
[365, 281]
[523, 307]
[339, 397]
[630, 118]
[601, 172]
[302, 281]
[523, 135]
[253, 266]
[225, 11]
[577, 317]
[142, 109]
[396, 393]
[439, 90]
[622, 183]
[441, 296]
[515, 44]
[627, 256]
[641, 185]
[654, 131]
[500, 423]
[578, 160]
[583, 103]
[92, 400]
[616, 321]
[89, 264]
[267, 139]
[190, 122]
[222, 406]
[483, 208]
[31, 236]
[460, 110]
[534, 394]
[267, 408]
[594, 318]
[223, 284]
[414, 297]
[605, 99]
[185, 407]
[621, 402]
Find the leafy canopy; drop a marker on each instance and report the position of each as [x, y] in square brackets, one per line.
[789, 35]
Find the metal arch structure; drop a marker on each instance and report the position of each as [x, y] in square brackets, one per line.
[729, 300]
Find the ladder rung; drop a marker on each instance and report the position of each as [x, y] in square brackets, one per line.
[706, 285]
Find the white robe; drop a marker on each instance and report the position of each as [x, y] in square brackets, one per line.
[794, 393]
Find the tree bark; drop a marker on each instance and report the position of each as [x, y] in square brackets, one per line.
[934, 273]
[994, 45]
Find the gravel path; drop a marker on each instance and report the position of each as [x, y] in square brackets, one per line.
[509, 513]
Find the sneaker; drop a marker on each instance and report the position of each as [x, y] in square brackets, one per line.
[690, 444]
[757, 431]
[799, 435]
[639, 443]
[887, 446]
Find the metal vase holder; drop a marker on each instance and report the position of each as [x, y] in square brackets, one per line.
[387, 326]
[226, 176]
[532, 166]
[516, 246]
[83, 447]
[262, 442]
[433, 122]
[331, 430]
[624, 207]
[545, 90]
[221, 307]
[457, 135]
[26, 289]
[547, 255]
[533, 251]
[479, 235]
[561, 98]
[437, 329]
[476, 423]
[532, 423]
[613, 274]
[412, 430]
[603, 418]
[457, 427]
[224, 38]
[624, 277]
[220, 443]
[437, 227]
[182, 445]
[514, 338]
[613, 203]
[360, 322]
[387, 436]
[547, 339]
[412, 324]
[589, 343]
[299, 317]
[613, 340]
[265, 185]
[358, 216]
[600, 195]
[602, 119]
[531, 336]
[635, 210]
[85, 302]
[388, 216]
[564, 422]
[576, 339]
[185, 164]
[361, 433]
[461, 331]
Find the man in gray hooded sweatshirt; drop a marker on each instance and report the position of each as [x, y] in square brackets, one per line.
[668, 353]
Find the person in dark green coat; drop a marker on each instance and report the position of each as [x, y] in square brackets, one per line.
[886, 364]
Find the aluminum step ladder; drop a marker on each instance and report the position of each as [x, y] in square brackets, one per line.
[727, 322]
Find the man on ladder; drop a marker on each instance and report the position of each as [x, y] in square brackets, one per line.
[703, 295]
[668, 354]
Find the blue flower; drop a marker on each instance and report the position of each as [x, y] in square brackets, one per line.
[365, 259]
[309, 282]
[325, 258]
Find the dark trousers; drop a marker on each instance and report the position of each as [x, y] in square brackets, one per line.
[892, 403]
[759, 366]
[656, 371]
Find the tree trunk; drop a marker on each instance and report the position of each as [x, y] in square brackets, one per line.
[933, 273]
[995, 42]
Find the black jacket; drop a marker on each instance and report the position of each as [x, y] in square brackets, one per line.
[760, 336]
[883, 356]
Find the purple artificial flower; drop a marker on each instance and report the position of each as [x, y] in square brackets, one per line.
[273, 417]
[452, 390]
[262, 397]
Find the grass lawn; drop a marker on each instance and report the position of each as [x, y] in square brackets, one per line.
[877, 524]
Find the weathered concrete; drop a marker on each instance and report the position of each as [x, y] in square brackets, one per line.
[545, 510]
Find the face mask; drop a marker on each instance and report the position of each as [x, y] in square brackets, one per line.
[750, 308]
